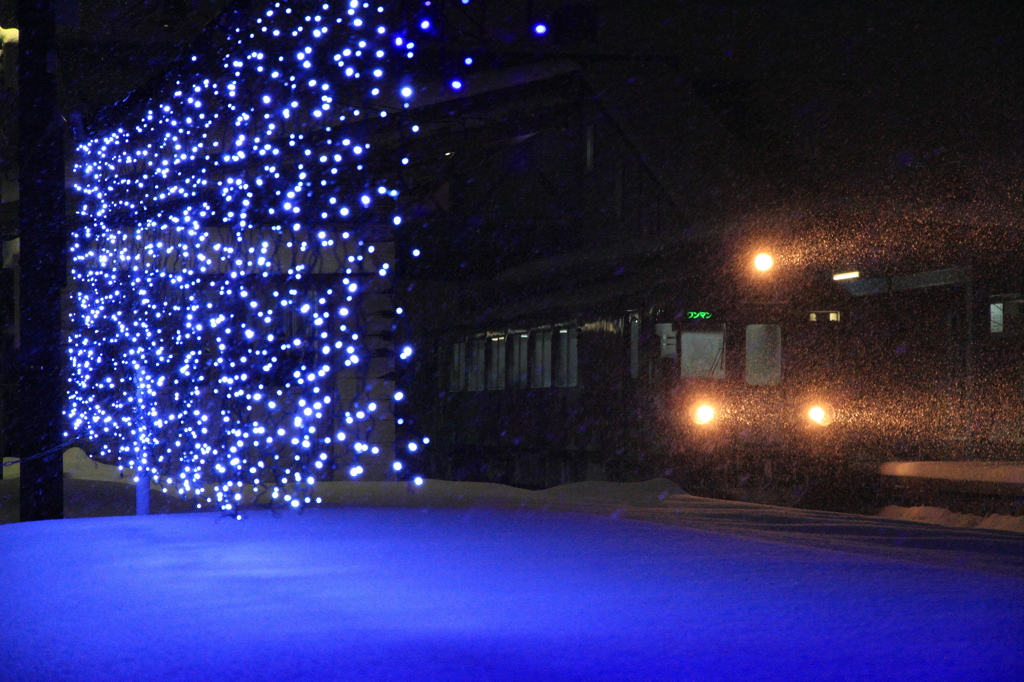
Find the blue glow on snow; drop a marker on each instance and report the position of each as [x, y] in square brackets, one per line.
[495, 594]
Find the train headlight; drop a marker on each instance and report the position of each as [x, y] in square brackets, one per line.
[763, 262]
[820, 414]
[703, 414]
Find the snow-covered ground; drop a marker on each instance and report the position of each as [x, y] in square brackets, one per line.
[86, 495]
[479, 582]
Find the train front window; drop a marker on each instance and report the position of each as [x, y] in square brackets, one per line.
[764, 354]
[702, 355]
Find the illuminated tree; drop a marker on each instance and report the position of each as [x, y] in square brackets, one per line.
[229, 331]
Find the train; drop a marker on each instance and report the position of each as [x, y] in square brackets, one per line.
[758, 371]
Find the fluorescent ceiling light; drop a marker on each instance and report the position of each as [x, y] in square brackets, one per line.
[846, 275]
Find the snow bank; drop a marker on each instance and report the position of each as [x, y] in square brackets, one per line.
[945, 517]
[90, 498]
[79, 466]
[466, 494]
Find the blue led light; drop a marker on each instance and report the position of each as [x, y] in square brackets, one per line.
[203, 350]
[456, 85]
[540, 29]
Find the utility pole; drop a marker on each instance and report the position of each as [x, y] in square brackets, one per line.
[40, 394]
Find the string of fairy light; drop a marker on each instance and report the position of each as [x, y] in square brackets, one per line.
[223, 253]
[225, 250]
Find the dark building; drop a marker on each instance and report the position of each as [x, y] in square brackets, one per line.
[588, 212]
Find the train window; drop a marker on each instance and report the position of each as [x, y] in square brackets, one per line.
[995, 316]
[518, 368]
[764, 354]
[540, 377]
[475, 363]
[457, 368]
[1005, 316]
[496, 363]
[702, 355]
[565, 348]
